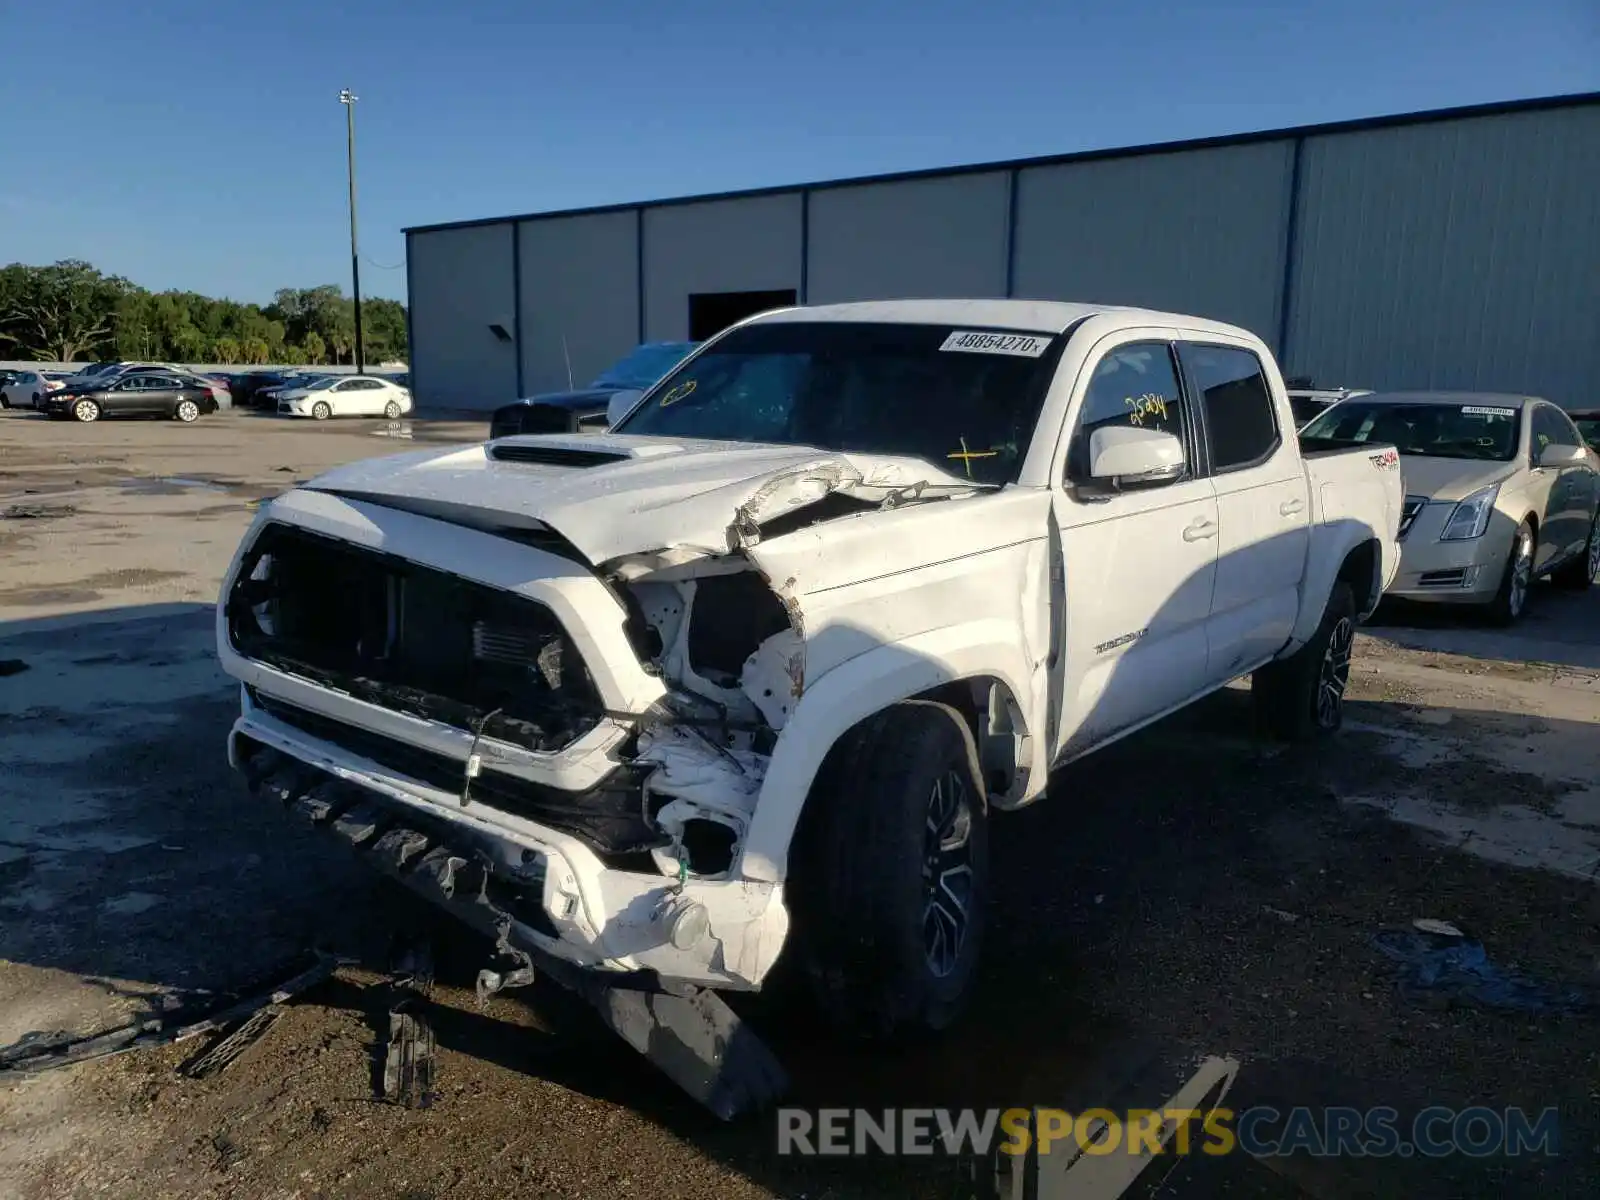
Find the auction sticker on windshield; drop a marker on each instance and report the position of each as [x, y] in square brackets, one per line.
[1488, 412]
[1024, 345]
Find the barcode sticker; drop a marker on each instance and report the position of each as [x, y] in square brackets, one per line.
[971, 341]
[1488, 412]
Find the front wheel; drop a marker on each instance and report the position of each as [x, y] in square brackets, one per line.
[1302, 696]
[1581, 571]
[86, 411]
[187, 411]
[892, 874]
[321, 411]
[392, 410]
[1516, 579]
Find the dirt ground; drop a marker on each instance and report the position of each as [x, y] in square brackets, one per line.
[1189, 891]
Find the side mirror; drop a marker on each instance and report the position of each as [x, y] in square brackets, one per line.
[619, 406]
[1555, 456]
[1124, 456]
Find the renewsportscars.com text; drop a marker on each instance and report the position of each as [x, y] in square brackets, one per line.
[1261, 1132]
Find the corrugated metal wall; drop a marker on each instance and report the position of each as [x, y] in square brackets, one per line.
[722, 246]
[459, 282]
[929, 237]
[1461, 254]
[580, 297]
[1195, 232]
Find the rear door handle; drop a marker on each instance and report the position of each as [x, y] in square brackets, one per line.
[1200, 530]
[1290, 508]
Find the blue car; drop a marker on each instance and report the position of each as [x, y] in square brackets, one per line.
[563, 412]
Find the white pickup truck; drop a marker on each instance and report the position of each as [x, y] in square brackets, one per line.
[753, 670]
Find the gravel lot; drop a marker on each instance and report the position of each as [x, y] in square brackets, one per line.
[1188, 891]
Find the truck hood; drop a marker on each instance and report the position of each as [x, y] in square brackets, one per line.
[612, 495]
[1450, 479]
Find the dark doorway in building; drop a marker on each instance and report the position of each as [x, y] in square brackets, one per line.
[712, 312]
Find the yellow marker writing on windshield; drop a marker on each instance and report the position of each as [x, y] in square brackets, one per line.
[678, 393]
[966, 456]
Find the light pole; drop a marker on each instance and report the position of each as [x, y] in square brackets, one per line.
[348, 99]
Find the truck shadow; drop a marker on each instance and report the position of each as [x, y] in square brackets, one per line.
[1559, 628]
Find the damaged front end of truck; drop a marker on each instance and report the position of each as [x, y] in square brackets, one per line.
[562, 740]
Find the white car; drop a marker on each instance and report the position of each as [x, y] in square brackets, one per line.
[346, 396]
[753, 671]
[28, 389]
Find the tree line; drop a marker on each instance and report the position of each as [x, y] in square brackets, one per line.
[70, 311]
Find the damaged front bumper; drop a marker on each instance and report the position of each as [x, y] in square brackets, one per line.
[688, 1033]
[588, 827]
[577, 907]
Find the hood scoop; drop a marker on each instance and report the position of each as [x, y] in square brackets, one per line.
[552, 456]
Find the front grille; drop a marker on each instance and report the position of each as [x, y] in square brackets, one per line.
[609, 816]
[1442, 578]
[411, 639]
[1409, 512]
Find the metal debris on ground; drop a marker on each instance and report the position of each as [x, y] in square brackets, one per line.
[36, 1052]
[12, 666]
[409, 1058]
[222, 1053]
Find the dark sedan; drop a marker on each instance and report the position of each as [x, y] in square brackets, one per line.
[563, 412]
[134, 395]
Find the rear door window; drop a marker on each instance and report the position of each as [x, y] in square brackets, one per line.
[1241, 419]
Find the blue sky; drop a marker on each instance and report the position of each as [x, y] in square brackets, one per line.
[200, 143]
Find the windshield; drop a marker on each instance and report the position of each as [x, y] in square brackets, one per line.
[317, 383]
[1589, 428]
[644, 365]
[965, 400]
[1428, 430]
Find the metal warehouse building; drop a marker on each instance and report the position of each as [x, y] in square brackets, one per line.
[1458, 248]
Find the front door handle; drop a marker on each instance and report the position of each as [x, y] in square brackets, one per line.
[1200, 530]
[1291, 508]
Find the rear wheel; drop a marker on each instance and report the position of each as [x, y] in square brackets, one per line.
[1581, 571]
[1302, 696]
[892, 874]
[1516, 579]
[86, 411]
[187, 411]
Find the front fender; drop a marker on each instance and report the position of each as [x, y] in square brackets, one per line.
[839, 700]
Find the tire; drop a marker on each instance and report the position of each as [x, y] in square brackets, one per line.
[1302, 697]
[85, 411]
[1579, 574]
[392, 410]
[890, 921]
[321, 411]
[1516, 579]
[187, 411]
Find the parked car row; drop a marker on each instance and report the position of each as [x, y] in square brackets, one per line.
[123, 388]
